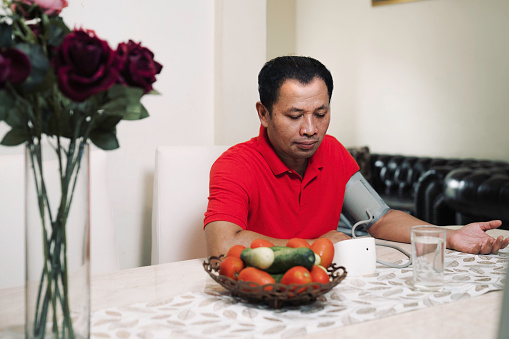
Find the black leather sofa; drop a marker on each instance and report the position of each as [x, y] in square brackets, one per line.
[439, 190]
[478, 194]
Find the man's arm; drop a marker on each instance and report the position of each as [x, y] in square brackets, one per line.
[221, 235]
[395, 225]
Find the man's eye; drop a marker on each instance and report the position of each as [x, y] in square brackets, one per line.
[321, 115]
[294, 117]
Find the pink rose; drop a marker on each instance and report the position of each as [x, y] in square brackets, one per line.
[14, 67]
[50, 7]
[85, 65]
[138, 68]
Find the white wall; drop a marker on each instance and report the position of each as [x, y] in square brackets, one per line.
[240, 53]
[211, 52]
[423, 78]
[180, 33]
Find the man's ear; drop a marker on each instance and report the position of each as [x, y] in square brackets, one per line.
[263, 114]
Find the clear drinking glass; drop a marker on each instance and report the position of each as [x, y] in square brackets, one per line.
[428, 256]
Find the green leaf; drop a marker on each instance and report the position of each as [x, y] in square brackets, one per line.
[5, 35]
[105, 140]
[136, 112]
[14, 137]
[17, 115]
[125, 102]
[107, 122]
[57, 32]
[6, 103]
[114, 107]
[125, 109]
[117, 91]
[154, 92]
[39, 62]
[58, 124]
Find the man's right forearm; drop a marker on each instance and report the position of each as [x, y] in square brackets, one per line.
[221, 235]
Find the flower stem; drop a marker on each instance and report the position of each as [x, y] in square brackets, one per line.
[54, 276]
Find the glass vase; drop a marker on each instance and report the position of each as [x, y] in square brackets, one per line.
[57, 239]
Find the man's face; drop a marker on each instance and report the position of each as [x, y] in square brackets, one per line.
[298, 122]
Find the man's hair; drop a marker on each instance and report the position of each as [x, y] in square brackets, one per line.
[276, 71]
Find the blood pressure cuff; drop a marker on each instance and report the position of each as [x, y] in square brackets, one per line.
[360, 198]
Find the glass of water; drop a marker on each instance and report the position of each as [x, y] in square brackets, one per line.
[428, 256]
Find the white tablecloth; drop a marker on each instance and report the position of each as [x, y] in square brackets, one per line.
[213, 313]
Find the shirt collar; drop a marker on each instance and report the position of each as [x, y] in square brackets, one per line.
[276, 164]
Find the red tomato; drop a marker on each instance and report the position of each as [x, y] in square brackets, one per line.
[325, 249]
[296, 275]
[297, 242]
[261, 243]
[235, 251]
[255, 275]
[230, 267]
[319, 274]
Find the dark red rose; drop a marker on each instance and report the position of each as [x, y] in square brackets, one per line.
[138, 68]
[14, 67]
[85, 65]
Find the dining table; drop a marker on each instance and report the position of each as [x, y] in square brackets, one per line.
[181, 300]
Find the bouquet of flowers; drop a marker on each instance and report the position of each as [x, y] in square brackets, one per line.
[60, 83]
[68, 87]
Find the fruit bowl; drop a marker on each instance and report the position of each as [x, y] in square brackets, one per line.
[274, 295]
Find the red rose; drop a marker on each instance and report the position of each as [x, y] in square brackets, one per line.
[139, 68]
[14, 67]
[50, 7]
[85, 65]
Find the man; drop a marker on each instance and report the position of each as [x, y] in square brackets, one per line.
[290, 181]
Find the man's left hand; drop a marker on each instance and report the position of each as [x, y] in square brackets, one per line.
[472, 238]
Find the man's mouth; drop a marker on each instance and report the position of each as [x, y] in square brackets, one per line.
[306, 145]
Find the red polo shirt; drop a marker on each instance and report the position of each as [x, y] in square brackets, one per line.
[251, 187]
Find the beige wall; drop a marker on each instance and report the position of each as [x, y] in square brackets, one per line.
[280, 28]
[424, 78]
[240, 50]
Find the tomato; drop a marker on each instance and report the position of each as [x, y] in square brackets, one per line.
[325, 249]
[230, 267]
[261, 243]
[255, 275]
[297, 242]
[235, 251]
[319, 274]
[296, 275]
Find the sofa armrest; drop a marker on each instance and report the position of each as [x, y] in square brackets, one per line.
[479, 194]
[430, 204]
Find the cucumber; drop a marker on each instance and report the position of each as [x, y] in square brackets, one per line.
[288, 257]
[260, 257]
[278, 259]
[277, 277]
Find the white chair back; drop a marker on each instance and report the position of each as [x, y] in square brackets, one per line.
[103, 235]
[181, 189]
[103, 241]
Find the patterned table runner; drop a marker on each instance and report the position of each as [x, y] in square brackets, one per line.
[215, 314]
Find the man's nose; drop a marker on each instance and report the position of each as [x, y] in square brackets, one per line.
[308, 127]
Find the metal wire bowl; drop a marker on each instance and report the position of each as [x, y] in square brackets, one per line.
[274, 295]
